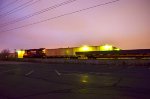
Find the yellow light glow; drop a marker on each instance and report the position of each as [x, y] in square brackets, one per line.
[84, 79]
[85, 48]
[20, 53]
[117, 49]
[67, 52]
[106, 48]
[44, 50]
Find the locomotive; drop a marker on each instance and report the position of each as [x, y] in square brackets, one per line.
[34, 53]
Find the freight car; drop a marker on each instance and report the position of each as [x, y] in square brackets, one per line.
[137, 53]
[60, 53]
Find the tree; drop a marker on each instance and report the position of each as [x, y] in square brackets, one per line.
[4, 54]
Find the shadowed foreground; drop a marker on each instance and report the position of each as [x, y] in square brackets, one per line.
[20, 80]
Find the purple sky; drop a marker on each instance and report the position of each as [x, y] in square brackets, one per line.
[124, 24]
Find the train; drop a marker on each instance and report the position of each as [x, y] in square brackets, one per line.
[86, 52]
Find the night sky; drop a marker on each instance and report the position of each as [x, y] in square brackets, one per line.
[123, 23]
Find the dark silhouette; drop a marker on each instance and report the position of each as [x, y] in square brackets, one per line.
[4, 54]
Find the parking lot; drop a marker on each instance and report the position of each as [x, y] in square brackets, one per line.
[24, 80]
